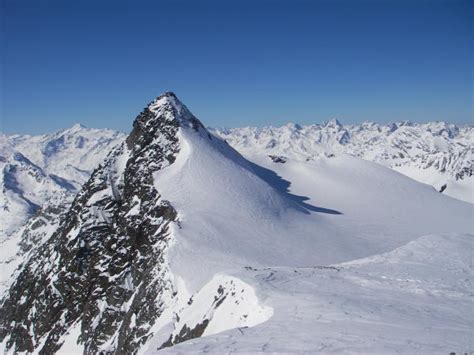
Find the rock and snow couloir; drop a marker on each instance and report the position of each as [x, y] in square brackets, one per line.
[177, 236]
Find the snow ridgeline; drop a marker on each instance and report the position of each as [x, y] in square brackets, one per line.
[177, 236]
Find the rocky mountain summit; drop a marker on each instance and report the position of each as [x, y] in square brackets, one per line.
[103, 267]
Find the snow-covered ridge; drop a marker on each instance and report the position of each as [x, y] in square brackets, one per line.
[104, 265]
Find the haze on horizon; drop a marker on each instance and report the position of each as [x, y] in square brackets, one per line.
[236, 63]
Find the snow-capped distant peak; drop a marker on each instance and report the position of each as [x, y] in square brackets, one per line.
[333, 122]
[293, 126]
[77, 126]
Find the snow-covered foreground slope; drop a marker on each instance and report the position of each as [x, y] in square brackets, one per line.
[434, 153]
[177, 236]
[416, 299]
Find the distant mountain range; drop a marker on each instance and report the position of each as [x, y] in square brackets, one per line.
[435, 153]
[40, 176]
[176, 237]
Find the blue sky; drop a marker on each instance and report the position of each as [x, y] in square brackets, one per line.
[235, 63]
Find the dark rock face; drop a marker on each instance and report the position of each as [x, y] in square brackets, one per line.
[104, 266]
[38, 227]
[187, 333]
[278, 159]
[465, 172]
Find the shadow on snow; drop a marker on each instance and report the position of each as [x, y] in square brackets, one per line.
[283, 186]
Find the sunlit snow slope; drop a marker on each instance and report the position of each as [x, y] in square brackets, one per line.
[277, 227]
[334, 209]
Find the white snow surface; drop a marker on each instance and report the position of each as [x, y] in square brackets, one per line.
[353, 208]
[343, 255]
[416, 299]
[70, 153]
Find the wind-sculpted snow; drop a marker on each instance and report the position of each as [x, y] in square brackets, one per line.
[435, 153]
[236, 215]
[329, 209]
[224, 303]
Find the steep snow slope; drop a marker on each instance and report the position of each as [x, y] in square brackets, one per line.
[337, 209]
[435, 153]
[177, 236]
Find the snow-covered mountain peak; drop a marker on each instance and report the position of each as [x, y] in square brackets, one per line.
[159, 122]
[167, 106]
[333, 122]
[293, 126]
[70, 153]
[444, 129]
[77, 127]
